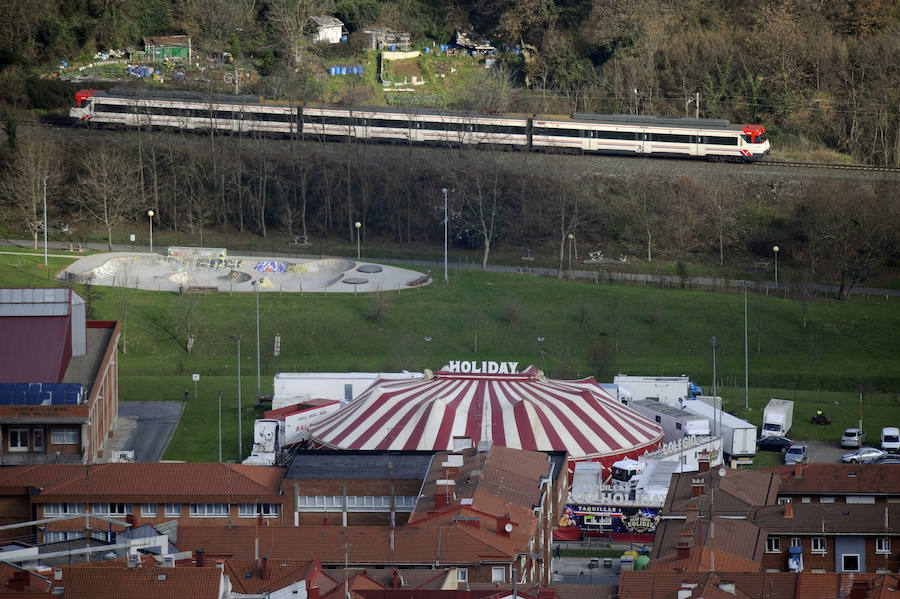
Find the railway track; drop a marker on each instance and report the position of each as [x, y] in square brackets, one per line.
[843, 167]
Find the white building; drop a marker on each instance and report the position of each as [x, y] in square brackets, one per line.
[297, 387]
[328, 29]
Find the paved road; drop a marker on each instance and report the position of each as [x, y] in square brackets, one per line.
[145, 427]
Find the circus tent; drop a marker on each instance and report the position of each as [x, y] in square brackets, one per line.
[449, 410]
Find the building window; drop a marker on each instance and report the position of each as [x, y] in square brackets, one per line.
[883, 545]
[783, 500]
[795, 542]
[773, 544]
[658, 418]
[62, 509]
[348, 392]
[37, 436]
[818, 545]
[850, 562]
[18, 439]
[65, 436]
[462, 575]
[826, 500]
[173, 510]
[209, 510]
[55, 536]
[149, 510]
[252, 510]
[678, 426]
[112, 509]
[498, 574]
[806, 500]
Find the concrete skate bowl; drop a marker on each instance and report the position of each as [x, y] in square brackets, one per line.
[328, 270]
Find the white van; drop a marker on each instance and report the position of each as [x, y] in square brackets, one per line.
[890, 439]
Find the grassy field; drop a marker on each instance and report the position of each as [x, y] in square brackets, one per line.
[597, 330]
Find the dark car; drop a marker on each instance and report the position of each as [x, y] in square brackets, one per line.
[774, 443]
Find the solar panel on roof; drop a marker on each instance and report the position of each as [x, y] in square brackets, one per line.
[20, 387]
[18, 398]
[34, 387]
[5, 397]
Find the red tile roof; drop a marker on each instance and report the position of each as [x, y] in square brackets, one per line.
[831, 518]
[837, 479]
[364, 545]
[141, 583]
[145, 481]
[736, 493]
[281, 573]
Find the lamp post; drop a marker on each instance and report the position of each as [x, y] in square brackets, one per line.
[150, 215]
[240, 435]
[681, 425]
[357, 224]
[716, 407]
[571, 237]
[256, 291]
[220, 425]
[746, 357]
[775, 249]
[540, 341]
[44, 181]
[427, 345]
[446, 221]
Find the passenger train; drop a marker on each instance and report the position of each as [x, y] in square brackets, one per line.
[583, 132]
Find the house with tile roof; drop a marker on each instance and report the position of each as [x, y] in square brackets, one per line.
[118, 581]
[835, 537]
[142, 493]
[824, 482]
[59, 378]
[747, 585]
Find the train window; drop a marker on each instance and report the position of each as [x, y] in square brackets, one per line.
[671, 138]
[558, 132]
[722, 141]
[629, 135]
[119, 108]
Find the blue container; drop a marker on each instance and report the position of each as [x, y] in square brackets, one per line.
[427, 50]
[360, 69]
[344, 38]
[331, 71]
[343, 70]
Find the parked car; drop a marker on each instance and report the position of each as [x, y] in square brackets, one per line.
[863, 455]
[887, 459]
[890, 439]
[853, 437]
[775, 443]
[795, 454]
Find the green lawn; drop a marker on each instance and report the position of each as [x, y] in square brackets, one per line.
[590, 329]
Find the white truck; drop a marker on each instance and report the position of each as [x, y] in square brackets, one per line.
[777, 418]
[268, 435]
[675, 422]
[738, 436]
[298, 417]
[664, 389]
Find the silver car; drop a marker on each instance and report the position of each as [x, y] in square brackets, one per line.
[795, 454]
[853, 437]
[863, 455]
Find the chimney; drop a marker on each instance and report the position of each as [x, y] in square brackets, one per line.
[859, 590]
[697, 486]
[788, 510]
[683, 549]
[703, 461]
[692, 512]
[132, 520]
[200, 558]
[312, 593]
[265, 568]
[396, 578]
[504, 525]
[445, 493]
[798, 470]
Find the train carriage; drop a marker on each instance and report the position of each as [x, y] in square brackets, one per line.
[582, 132]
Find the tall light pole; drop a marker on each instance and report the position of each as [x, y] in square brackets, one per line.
[446, 221]
[258, 386]
[571, 237]
[240, 435]
[357, 224]
[681, 424]
[775, 249]
[44, 181]
[220, 425]
[540, 341]
[150, 215]
[715, 395]
[427, 345]
[746, 357]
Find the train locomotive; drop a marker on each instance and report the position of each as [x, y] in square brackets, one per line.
[581, 133]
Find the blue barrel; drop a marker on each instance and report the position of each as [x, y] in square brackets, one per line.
[427, 50]
[393, 47]
[331, 71]
[344, 38]
[360, 69]
[343, 70]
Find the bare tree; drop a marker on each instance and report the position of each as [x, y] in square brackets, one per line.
[290, 20]
[22, 184]
[481, 198]
[107, 189]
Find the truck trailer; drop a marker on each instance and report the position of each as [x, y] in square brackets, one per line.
[738, 436]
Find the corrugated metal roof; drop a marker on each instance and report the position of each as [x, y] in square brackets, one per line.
[34, 350]
[351, 464]
[43, 301]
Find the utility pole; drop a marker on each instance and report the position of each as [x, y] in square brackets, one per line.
[220, 426]
[746, 357]
[44, 181]
[716, 406]
[446, 221]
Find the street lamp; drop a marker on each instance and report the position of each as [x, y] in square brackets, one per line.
[150, 215]
[571, 237]
[715, 395]
[446, 221]
[240, 436]
[775, 249]
[540, 341]
[357, 224]
[220, 425]
[44, 181]
[427, 345]
[681, 425]
[258, 386]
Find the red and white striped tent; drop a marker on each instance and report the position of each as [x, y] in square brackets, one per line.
[521, 410]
